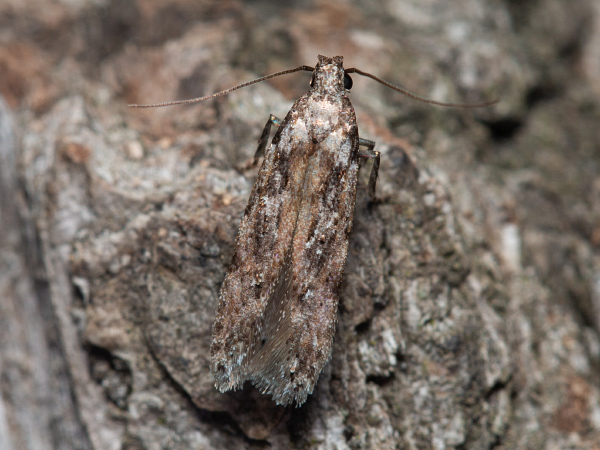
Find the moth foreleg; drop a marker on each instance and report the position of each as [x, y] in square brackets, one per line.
[369, 153]
[264, 137]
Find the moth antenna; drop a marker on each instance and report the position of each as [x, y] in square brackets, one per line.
[226, 91]
[418, 97]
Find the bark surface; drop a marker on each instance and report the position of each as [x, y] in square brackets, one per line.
[469, 312]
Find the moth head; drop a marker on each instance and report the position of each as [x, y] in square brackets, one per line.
[329, 75]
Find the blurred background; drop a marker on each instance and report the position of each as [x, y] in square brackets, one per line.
[117, 224]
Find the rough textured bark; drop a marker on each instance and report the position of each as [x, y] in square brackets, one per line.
[470, 308]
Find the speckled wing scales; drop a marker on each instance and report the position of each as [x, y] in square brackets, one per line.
[271, 350]
[300, 314]
[276, 315]
[252, 271]
[265, 234]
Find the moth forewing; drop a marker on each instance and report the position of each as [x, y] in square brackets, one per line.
[276, 315]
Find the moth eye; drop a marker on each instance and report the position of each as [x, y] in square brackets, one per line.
[312, 80]
[347, 81]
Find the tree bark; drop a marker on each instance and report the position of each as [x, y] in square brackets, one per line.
[470, 309]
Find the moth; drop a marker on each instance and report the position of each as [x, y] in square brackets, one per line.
[277, 310]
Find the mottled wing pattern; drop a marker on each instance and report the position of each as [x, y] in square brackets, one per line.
[276, 315]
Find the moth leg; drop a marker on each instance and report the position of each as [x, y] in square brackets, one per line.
[264, 137]
[369, 153]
